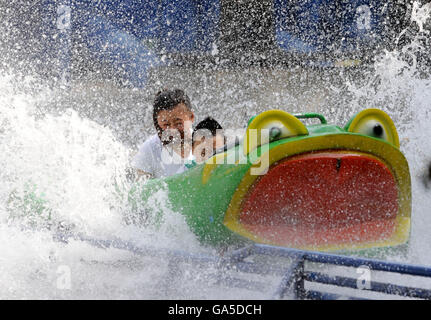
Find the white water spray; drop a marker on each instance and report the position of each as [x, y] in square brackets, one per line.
[74, 164]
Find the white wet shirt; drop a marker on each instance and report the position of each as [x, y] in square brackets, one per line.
[158, 160]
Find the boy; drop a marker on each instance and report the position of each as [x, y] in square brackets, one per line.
[207, 138]
[166, 152]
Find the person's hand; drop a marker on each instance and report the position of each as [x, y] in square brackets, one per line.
[143, 175]
[135, 175]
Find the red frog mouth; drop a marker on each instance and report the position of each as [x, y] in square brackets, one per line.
[329, 198]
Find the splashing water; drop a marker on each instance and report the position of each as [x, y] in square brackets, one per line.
[74, 166]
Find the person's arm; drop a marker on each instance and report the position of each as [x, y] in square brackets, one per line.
[143, 162]
[135, 175]
[143, 174]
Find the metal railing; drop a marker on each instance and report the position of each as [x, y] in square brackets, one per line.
[293, 273]
[296, 275]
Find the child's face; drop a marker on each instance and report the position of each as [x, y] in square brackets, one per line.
[179, 119]
[204, 147]
[218, 141]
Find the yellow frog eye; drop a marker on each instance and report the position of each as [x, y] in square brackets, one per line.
[269, 126]
[374, 123]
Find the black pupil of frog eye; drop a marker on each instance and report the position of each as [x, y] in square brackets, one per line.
[274, 133]
[377, 130]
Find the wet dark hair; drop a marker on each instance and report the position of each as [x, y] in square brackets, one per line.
[168, 100]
